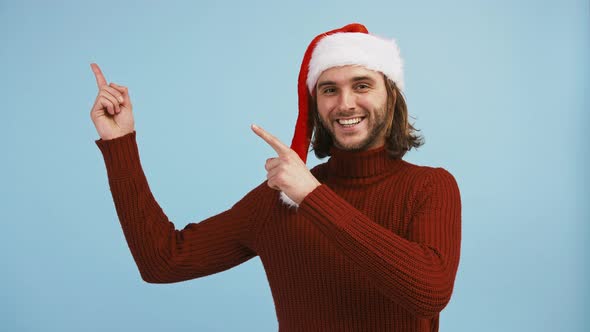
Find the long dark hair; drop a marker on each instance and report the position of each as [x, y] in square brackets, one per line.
[400, 136]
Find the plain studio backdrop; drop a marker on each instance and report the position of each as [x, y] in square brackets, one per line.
[499, 89]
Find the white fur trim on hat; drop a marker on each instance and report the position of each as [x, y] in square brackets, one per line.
[352, 48]
[288, 201]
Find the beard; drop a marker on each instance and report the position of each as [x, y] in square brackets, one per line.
[376, 125]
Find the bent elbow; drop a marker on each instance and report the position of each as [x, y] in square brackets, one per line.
[431, 310]
[152, 276]
[158, 272]
[169, 275]
[148, 277]
[432, 305]
[154, 280]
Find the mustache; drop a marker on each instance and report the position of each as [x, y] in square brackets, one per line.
[347, 114]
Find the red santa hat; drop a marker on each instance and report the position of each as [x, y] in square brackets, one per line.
[349, 45]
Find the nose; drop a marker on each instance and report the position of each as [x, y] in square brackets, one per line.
[346, 101]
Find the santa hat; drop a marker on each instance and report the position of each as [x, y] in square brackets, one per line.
[349, 45]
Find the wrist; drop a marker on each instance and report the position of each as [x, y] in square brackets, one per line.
[308, 191]
[114, 136]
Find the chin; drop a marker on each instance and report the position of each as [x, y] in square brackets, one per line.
[354, 146]
[361, 144]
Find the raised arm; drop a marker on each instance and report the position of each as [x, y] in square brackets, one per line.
[162, 253]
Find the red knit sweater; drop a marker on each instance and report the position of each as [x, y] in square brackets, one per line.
[374, 248]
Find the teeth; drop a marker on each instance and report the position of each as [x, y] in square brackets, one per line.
[349, 121]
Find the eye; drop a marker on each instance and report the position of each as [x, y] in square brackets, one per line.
[328, 91]
[362, 86]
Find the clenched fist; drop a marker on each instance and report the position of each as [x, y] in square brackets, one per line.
[112, 111]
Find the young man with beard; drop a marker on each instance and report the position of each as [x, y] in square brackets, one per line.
[365, 241]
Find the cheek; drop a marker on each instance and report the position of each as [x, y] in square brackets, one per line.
[372, 103]
[323, 109]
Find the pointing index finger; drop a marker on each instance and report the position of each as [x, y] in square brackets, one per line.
[274, 142]
[100, 80]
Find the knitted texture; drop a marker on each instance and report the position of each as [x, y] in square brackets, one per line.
[374, 248]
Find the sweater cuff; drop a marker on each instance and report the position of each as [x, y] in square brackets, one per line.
[323, 203]
[121, 155]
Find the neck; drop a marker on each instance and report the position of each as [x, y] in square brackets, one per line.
[359, 164]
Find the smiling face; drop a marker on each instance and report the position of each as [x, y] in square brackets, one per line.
[352, 106]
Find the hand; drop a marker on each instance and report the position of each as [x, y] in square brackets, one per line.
[111, 112]
[287, 172]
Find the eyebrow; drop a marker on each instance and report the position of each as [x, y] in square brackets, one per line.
[354, 79]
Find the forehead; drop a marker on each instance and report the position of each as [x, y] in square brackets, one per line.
[344, 74]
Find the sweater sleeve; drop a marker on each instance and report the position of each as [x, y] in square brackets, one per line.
[162, 253]
[417, 271]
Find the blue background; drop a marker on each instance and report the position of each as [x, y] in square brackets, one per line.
[499, 90]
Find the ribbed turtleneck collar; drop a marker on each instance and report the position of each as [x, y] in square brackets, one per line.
[361, 164]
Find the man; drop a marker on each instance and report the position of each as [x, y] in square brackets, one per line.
[365, 241]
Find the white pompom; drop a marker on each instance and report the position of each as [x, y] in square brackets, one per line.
[288, 201]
